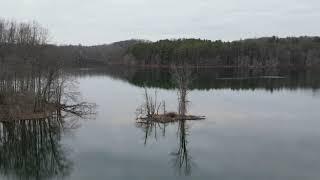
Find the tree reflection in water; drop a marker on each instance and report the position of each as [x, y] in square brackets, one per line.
[152, 129]
[31, 149]
[181, 158]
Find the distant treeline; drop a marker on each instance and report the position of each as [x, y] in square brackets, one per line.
[24, 44]
[27, 43]
[269, 51]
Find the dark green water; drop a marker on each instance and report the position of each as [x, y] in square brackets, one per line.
[260, 124]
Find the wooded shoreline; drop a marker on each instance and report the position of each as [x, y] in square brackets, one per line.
[169, 66]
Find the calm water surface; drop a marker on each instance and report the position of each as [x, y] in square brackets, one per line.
[250, 131]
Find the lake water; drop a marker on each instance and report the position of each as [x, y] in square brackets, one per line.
[259, 125]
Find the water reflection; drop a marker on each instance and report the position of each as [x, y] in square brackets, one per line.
[270, 79]
[181, 157]
[152, 129]
[31, 149]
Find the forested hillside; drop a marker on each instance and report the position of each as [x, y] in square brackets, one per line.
[269, 51]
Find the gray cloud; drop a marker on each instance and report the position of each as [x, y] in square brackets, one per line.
[98, 21]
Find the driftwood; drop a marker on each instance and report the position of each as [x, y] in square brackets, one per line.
[25, 116]
[80, 110]
[25, 112]
[168, 117]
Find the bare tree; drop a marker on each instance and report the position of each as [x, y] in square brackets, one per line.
[182, 78]
[22, 33]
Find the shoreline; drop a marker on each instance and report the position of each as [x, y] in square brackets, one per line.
[155, 66]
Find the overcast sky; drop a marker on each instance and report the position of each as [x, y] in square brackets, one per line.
[104, 21]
